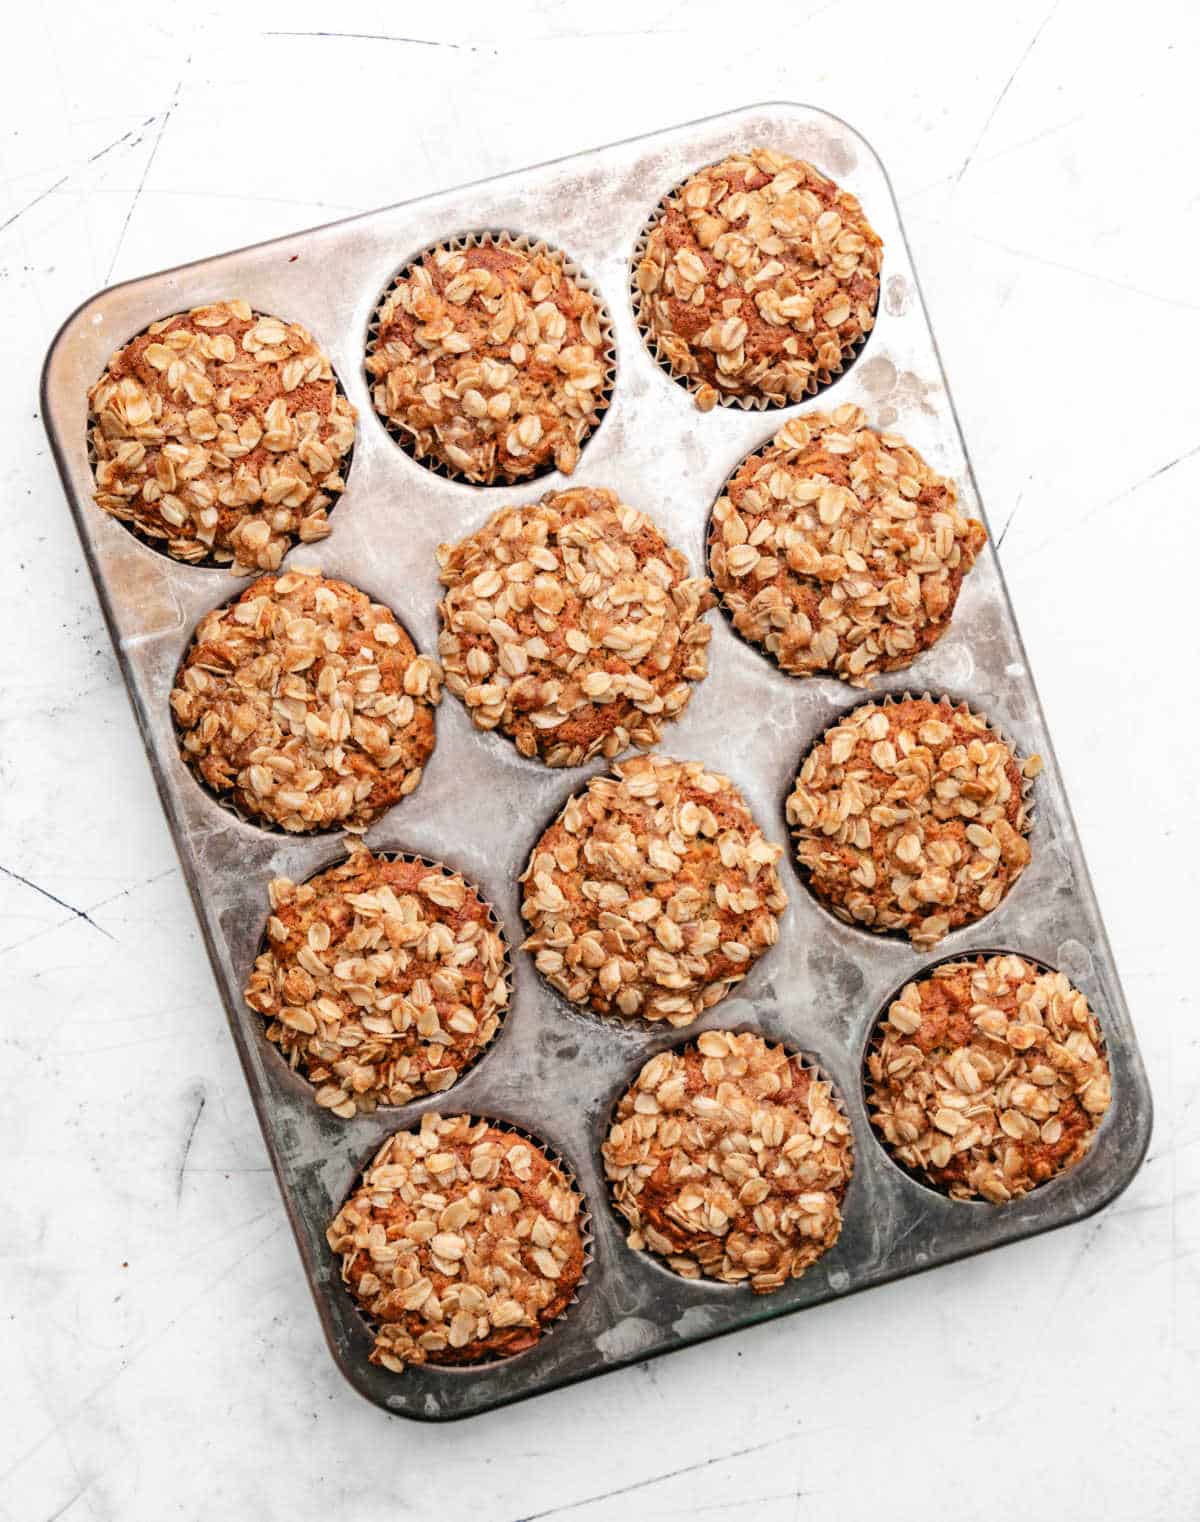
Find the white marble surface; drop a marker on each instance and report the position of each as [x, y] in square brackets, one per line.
[159, 1353]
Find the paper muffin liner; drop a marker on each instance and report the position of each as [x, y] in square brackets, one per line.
[210, 562]
[583, 1223]
[971, 958]
[497, 924]
[890, 700]
[810, 1064]
[498, 238]
[694, 383]
[225, 800]
[639, 1022]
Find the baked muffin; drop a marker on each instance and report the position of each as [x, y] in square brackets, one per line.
[462, 1242]
[988, 1077]
[653, 892]
[221, 436]
[491, 360]
[573, 626]
[304, 705]
[758, 280]
[838, 550]
[729, 1159]
[911, 816]
[381, 979]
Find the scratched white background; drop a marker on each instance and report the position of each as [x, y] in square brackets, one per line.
[159, 1354]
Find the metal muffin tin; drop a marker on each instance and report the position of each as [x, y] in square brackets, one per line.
[553, 1070]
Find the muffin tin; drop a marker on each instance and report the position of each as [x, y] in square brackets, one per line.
[553, 1070]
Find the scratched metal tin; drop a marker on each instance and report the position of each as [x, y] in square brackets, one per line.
[553, 1070]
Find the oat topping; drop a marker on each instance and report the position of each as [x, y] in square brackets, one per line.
[729, 1158]
[759, 279]
[220, 434]
[838, 550]
[573, 626]
[305, 705]
[653, 892]
[987, 1078]
[462, 1242]
[492, 359]
[382, 979]
[911, 816]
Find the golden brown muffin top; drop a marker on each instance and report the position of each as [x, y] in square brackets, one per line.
[492, 360]
[382, 979]
[729, 1158]
[220, 435]
[653, 892]
[573, 626]
[988, 1077]
[837, 549]
[305, 705]
[911, 816]
[462, 1242]
[759, 279]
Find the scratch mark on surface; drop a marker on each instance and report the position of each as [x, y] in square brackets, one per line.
[109, 1380]
[192, 193]
[63, 1510]
[141, 1043]
[738, 1501]
[29, 205]
[1011, 518]
[233, 1168]
[654, 31]
[61, 902]
[1161, 471]
[1001, 153]
[1059, 264]
[232, 1231]
[1128, 491]
[187, 1147]
[116, 143]
[655, 1479]
[1154, 1205]
[1008, 84]
[99, 904]
[912, 1226]
[415, 42]
[149, 164]
[157, 1337]
[144, 882]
